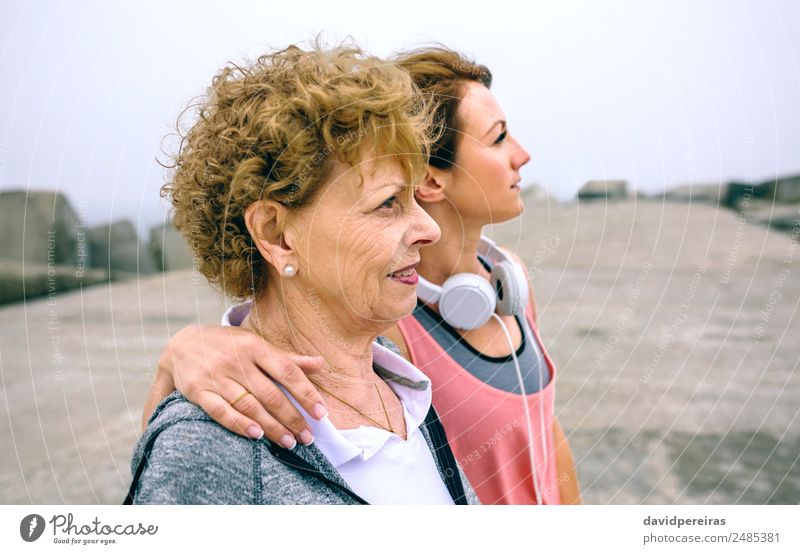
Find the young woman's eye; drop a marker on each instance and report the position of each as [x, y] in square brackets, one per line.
[502, 137]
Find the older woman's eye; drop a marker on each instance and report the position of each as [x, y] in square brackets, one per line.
[389, 202]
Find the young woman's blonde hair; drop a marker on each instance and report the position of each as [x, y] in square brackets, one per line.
[441, 73]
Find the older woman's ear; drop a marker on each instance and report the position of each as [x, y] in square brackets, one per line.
[265, 221]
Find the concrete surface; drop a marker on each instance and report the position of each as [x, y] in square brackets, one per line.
[674, 328]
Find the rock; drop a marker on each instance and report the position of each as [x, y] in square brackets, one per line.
[784, 190]
[710, 193]
[774, 203]
[537, 193]
[116, 248]
[738, 194]
[41, 227]
[169, 249]
[616, 190]
[27, 281]
[784, 217]
[45, 247]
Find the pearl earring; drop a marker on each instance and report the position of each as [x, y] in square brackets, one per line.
[289, 270]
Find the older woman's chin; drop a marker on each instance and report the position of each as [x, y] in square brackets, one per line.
[399, 303]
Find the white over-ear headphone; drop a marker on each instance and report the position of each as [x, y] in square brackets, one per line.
[467, 301]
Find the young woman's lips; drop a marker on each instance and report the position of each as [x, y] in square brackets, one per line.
[408, 276]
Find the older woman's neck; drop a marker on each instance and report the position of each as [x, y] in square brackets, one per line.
[298, 322]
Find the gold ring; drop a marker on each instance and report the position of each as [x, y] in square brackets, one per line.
[235, 400]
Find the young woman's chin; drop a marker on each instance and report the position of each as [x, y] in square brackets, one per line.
[506, 213]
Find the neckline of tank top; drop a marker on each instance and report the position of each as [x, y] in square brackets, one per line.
[461, 340]
[498, 391]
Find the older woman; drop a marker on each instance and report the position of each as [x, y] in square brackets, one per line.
[294, 189]
[500, 423]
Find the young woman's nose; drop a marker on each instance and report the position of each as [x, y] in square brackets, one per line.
[520, 156]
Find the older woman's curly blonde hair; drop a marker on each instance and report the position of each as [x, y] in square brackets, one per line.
[269, 130]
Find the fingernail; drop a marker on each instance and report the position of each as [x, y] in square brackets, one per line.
[287, 441]
[255, 432]
[319, 411]
[306, 437]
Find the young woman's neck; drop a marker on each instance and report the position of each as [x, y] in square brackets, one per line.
[456, 251]
[298, 321]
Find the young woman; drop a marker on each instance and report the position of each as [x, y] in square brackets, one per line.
[510, 445]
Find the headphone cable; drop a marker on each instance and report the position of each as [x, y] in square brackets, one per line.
[531, 455]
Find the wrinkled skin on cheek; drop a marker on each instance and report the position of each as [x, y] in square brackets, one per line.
[375, 251]
[348, 250]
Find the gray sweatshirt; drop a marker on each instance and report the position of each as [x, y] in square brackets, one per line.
[185, 457]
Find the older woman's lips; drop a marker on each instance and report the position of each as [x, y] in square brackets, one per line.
[407, 276]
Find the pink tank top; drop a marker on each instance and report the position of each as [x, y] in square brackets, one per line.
[486, 427]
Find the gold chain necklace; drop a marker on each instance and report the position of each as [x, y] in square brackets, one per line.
[346, 403]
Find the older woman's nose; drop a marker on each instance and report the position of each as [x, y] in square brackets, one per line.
[424, 230]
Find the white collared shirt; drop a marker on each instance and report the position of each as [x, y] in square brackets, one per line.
[378, 465]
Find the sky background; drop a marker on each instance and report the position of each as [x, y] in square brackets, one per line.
[657, 93]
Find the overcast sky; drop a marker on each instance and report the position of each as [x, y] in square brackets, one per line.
[658, 93]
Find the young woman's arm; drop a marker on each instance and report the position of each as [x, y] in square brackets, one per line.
[567, 479]
[212, 365]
